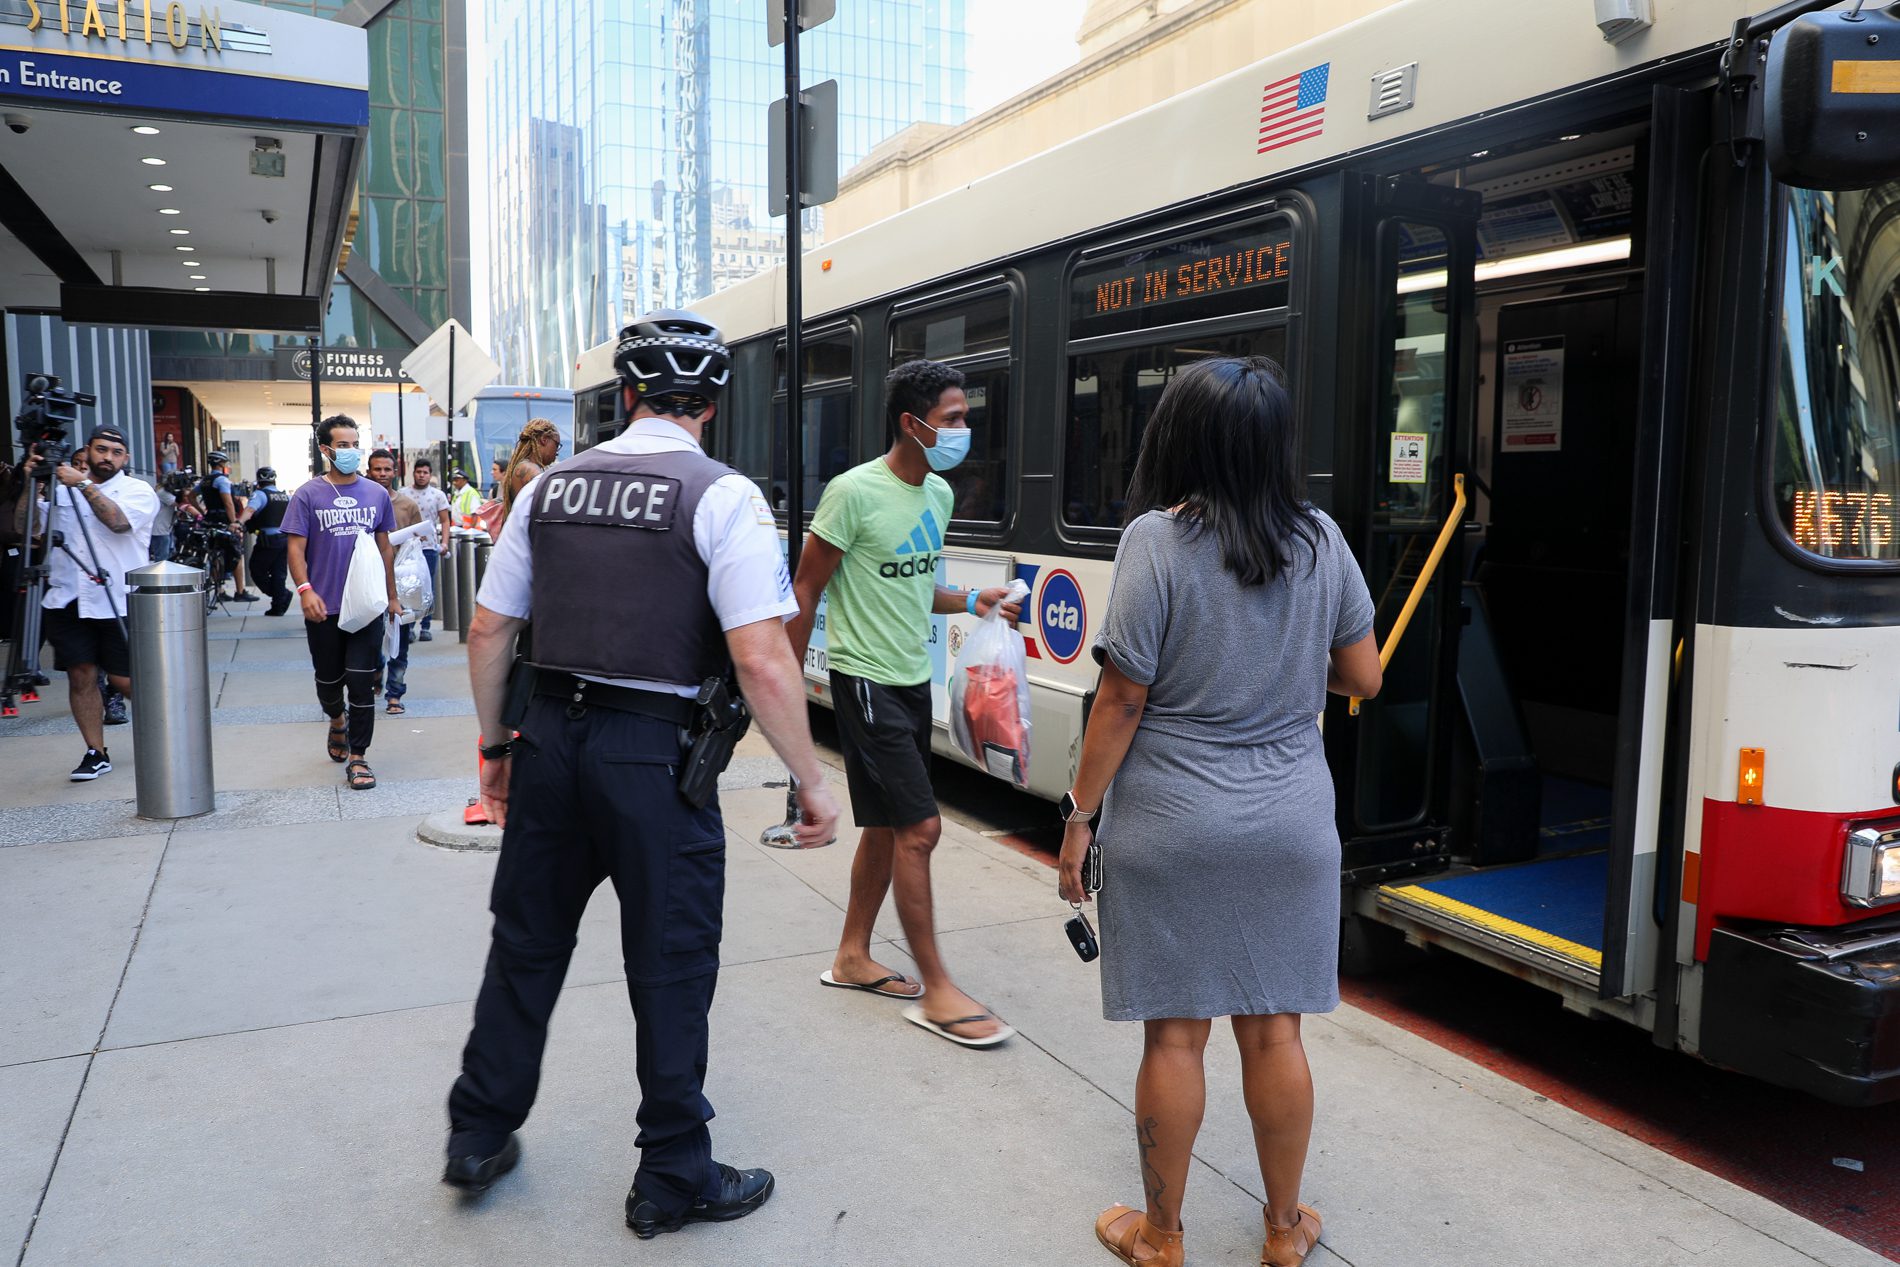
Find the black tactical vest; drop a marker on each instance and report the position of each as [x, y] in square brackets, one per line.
[211, 501]
[619, 589]
[272, 516]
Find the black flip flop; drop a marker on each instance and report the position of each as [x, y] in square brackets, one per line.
[871, 987]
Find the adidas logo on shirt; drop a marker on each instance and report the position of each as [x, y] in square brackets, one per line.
[917, 552]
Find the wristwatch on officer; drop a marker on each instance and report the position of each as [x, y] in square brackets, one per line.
[1072, 813]
[496, 751]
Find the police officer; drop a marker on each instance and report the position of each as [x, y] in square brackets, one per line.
[626, 626]
[270, 555]
[219, 508]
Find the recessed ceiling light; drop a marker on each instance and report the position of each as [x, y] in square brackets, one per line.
[197, 277]
[153, 162]
[1574, 136]
[146, 129]
[201, 288]
[184, 248]
[1482, 154]
[170, 211]
[191, 263]
[181, 232]
[160, 189]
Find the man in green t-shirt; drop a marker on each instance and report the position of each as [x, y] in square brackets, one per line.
[874, 545]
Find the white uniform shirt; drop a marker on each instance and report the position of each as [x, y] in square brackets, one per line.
[118, 552]
[733, 530]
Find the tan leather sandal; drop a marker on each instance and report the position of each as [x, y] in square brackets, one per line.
[1289, 1246]
[1126, 1233]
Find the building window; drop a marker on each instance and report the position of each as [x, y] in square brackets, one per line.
[974, 335]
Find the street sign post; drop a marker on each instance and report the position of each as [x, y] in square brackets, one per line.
[790, 199]
[793, 119]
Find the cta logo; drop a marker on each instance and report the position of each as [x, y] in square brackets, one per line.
[1062, 615]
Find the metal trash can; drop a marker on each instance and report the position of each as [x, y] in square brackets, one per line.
[445, 599]
[171, 691]
[464, 585]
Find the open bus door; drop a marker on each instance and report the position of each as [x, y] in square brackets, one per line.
[1418, 243]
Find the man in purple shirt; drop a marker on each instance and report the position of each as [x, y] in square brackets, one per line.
[324, 519]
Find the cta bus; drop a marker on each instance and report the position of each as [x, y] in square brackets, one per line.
[1600, 401]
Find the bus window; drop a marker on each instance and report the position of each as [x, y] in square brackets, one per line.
[827, 435]
[827, 424]
[974, 336]
[1111, 396]
[1837, 430]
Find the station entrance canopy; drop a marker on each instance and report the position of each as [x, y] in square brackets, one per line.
[169, 164]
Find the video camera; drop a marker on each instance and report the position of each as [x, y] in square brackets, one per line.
[46, 420]
[178, 483]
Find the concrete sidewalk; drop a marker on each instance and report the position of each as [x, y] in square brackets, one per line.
[228, 1041]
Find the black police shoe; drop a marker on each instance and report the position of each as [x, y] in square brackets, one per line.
[473, 1173]
[740, 1193]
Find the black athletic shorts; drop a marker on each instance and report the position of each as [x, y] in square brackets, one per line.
[885, 734]
[78, 641]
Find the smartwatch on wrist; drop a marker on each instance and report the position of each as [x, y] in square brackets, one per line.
[496, 751]
[83, 485]
[1071, 812]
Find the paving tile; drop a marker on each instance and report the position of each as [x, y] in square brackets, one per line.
[68, 916]
[35, 1102]
[322, 1145]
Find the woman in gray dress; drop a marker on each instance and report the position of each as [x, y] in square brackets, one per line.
[1235, 607]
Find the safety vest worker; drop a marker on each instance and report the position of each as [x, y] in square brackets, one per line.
[646, 569]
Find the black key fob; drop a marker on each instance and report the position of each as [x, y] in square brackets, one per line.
[1082, 937]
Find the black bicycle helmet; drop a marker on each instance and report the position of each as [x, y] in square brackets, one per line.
[266, 475]
[217, 457]
[673, 353]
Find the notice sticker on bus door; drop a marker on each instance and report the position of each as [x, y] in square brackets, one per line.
[1532, 420]
[1409, 452]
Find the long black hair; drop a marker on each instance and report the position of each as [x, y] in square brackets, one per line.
[1223, 448]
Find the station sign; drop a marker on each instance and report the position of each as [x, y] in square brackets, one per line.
[159, 56]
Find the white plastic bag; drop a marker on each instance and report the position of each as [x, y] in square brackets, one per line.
[392, 638]
[412, 577]
[365, 589]
[989, 695]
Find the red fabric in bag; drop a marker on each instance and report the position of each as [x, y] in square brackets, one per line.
[989, 707]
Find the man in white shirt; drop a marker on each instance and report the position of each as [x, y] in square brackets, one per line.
[434, 505]
[104, 517]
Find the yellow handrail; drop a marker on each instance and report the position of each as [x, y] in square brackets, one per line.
[1424, 579]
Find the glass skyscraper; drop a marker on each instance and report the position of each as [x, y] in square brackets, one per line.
[627, 143]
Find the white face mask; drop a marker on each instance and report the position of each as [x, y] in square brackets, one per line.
[952, 446]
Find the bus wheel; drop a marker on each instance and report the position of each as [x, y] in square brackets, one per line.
[1367, 946]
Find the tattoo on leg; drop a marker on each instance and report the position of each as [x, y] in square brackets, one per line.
[1150, 1177]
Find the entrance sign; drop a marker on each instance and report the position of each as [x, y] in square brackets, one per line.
[1532, 417]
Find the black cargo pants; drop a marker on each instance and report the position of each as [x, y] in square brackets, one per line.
[591, 798]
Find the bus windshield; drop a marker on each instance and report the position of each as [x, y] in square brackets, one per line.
[1837, 429]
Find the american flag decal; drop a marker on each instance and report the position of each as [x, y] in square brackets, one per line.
[1294, 109]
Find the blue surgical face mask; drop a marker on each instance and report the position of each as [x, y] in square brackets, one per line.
[953, 445]
[346, 460]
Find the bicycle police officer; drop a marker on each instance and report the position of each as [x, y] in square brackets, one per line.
[647, 569]
[221, 513]
[270, 554]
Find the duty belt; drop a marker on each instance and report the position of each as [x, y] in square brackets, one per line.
[582, 695]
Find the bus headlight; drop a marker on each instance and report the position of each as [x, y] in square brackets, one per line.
[1870, 874]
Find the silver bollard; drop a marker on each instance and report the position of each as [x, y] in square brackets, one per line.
[445, 602]
[483, 549]
[464, 586]
[171, 691]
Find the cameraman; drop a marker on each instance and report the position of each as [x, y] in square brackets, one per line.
[105, 519]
